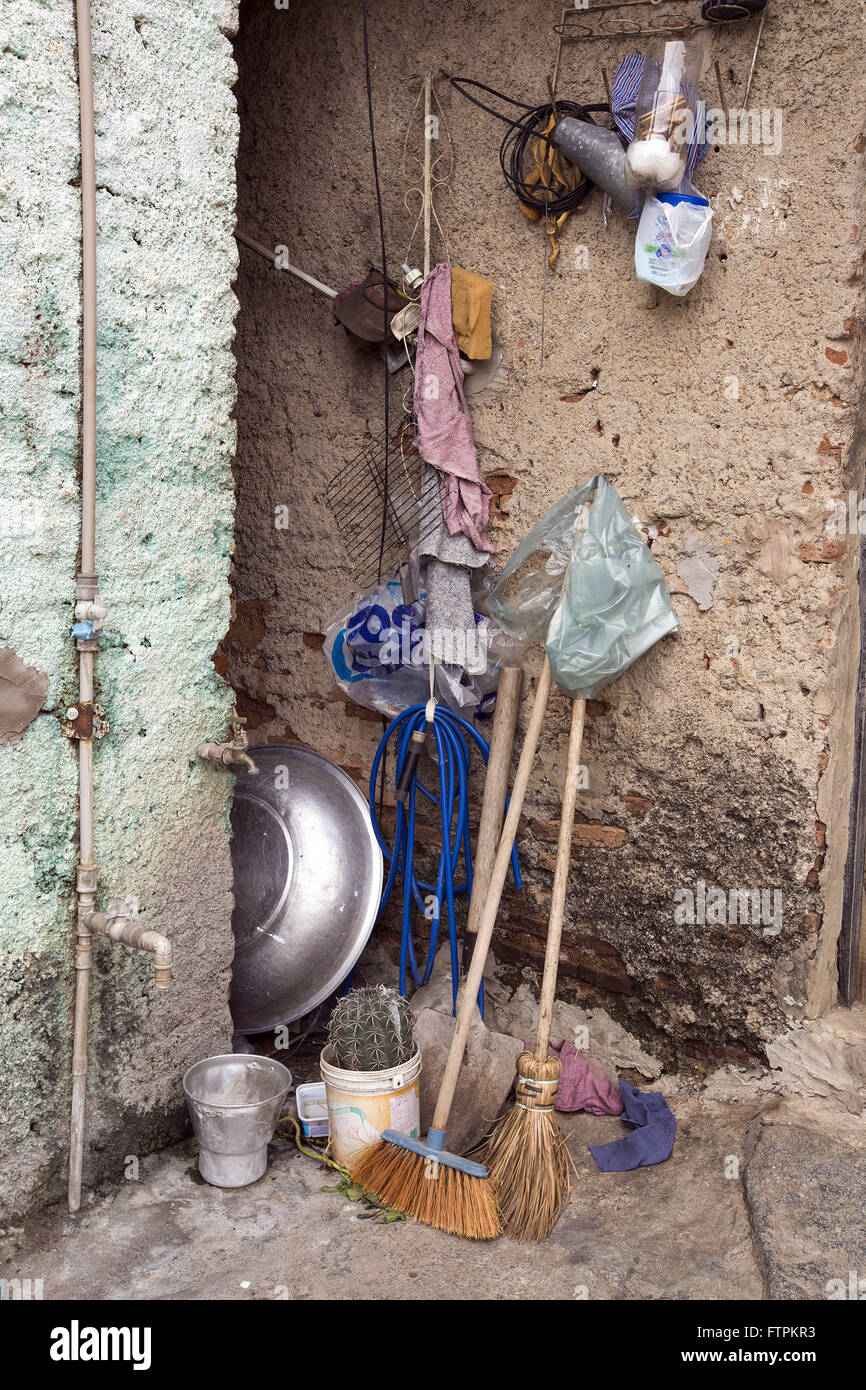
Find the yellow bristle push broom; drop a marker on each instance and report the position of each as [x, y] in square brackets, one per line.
[421, 1178]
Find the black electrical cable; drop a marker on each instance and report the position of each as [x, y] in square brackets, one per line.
[385, 319]
[521, 131]
[386, 323]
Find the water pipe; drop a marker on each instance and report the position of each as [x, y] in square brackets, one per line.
[226, 753]
[292, 269]
[117, 922]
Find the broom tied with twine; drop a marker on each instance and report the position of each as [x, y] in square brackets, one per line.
[526, 1154]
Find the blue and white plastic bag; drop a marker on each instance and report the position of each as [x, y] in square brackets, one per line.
[379, 652]
[673, 238]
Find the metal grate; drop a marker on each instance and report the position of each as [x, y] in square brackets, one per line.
[356, 497]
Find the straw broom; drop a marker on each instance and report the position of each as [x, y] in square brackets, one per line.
[425, 1180]
[525, 1154]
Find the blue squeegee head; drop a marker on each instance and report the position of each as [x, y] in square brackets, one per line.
[435, 1151]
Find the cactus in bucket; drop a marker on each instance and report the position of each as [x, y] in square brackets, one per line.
[371, 1029]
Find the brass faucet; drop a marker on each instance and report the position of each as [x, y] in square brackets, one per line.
[234, 752]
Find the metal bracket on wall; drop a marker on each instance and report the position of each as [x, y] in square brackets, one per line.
[85, 721]
[571, 29]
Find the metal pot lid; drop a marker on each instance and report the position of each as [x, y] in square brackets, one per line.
[307, 883]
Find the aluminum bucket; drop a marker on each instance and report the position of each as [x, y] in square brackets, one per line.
[235, 1102]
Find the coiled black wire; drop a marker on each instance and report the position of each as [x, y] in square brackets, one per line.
[523, 129]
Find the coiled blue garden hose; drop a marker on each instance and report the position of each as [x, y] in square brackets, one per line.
[452, 735]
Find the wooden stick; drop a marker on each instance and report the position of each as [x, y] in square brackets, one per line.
[428, 168]
[491, 905]
[493, 804]
[560, 883]
[563, 855]
[754, 59]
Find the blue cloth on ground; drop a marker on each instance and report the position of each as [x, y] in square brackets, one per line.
[653, 1131]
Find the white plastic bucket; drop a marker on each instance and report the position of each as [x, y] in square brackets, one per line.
[361, 1104]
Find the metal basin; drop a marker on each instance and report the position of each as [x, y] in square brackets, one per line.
[308, 879]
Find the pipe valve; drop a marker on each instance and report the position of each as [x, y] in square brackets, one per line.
[90, 613]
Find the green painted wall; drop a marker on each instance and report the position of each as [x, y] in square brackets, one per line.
[166, 135]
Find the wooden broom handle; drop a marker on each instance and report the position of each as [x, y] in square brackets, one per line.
[491, 903]
[493, 804]
[560, 883]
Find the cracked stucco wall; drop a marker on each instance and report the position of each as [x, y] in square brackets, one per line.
[725, 421]
[166, 132]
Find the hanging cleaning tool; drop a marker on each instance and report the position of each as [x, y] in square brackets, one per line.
[613, 605]
[380, 506]
[451, 736]
[422, 1178]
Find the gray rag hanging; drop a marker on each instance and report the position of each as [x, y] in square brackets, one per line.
[449, 560]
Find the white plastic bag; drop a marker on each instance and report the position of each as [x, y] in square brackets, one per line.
[673, 238]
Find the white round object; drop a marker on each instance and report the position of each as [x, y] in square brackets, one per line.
[653, 164]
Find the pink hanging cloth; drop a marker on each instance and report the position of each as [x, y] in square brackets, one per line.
[444, 426]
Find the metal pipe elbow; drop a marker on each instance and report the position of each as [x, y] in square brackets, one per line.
[130, 932]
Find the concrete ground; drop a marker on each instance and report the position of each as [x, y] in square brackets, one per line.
[761, 1198]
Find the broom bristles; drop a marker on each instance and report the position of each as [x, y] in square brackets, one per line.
[527, 1158]
[433, 1193]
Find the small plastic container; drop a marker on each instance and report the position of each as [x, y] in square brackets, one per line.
[312, 1101]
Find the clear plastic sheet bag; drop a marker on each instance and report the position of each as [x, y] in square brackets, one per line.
[596, 597]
